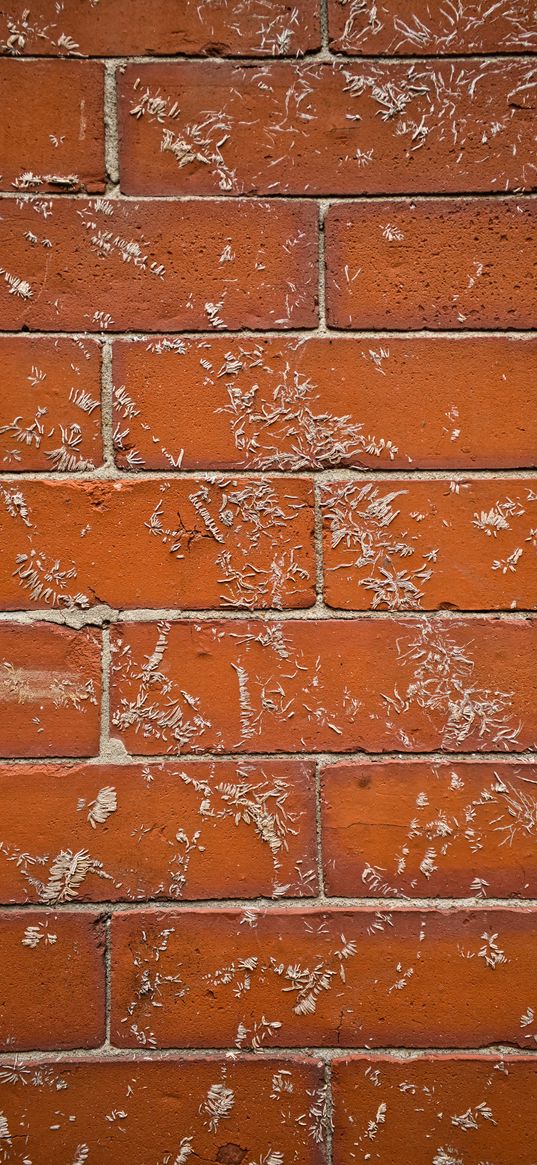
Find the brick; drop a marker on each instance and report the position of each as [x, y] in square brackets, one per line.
[256, 27]
[321, 978]
[59, 139]
[398, 402]
[117, 265]
[437, 264]
[403, 545]
[134, 1111]
[429, 829]
[50, 687]
[443, 1107]
[325, 685]
[233, 542]
[130, 832]
[49, 404]
[52, 993]
[280, 128]
[422, 26]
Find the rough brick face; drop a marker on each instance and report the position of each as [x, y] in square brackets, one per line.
[61, 958]
[50, 404]
[268, 518]
[322, 403]
[432, 264]
[301, 685]
[229, 542]
[432, 1104]
[351, 978]
[64, 140]
[246, 830]
[50, 687]
[327, 129]
[119, 265]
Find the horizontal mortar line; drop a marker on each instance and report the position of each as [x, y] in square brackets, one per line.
[115, 473]
[327, 759]
[327, 53]
[135, 335]
[120, 196]
[302, 334]
[267, 905]
[317, 611]
[101, 615]
[112, 1053]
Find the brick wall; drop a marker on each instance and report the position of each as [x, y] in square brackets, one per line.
[268, 434]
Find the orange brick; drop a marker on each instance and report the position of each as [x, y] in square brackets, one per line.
[49, 404]
[435, 264]
[403, 545]
[376, 128]
[321, 978]
[423, 26]
[270, 403]
[122, 28]
[442, 1108]
[117, 265]
[120, 832]
[134, 1111]
[228, 542]
[57, 142]
[429, 829]
[52, 993]
[325, 685]
[50, 686]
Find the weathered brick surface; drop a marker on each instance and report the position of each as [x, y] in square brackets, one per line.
[439, 263]
[134, 1111]
[228, 542]
[441, 1107]
[63, 139]
[50, 687]
[128, 28]
[383, 127]
[118, 265]
[50, 416]
[382, 402]
[130, 832]
[52, 993]
[429, 829]
[357, 978]
[267, 587]
[408, 27]
[403, 545]
[292, 686]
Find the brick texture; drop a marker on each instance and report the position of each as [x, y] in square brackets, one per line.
[268, 585]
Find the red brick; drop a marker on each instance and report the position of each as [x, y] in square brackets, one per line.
[50, 687]
[422, 828]
[340, 128]
[423, 26]
[117, 265]
[122, 28]
[228, 542]
[49, 404]
[443, 1109]
[321, 978]
[395, 402]
[134, 1111]
[403, 545]
[435, 264]
[56, 142]
[52, 993]
[325, 685]
[204, 830]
